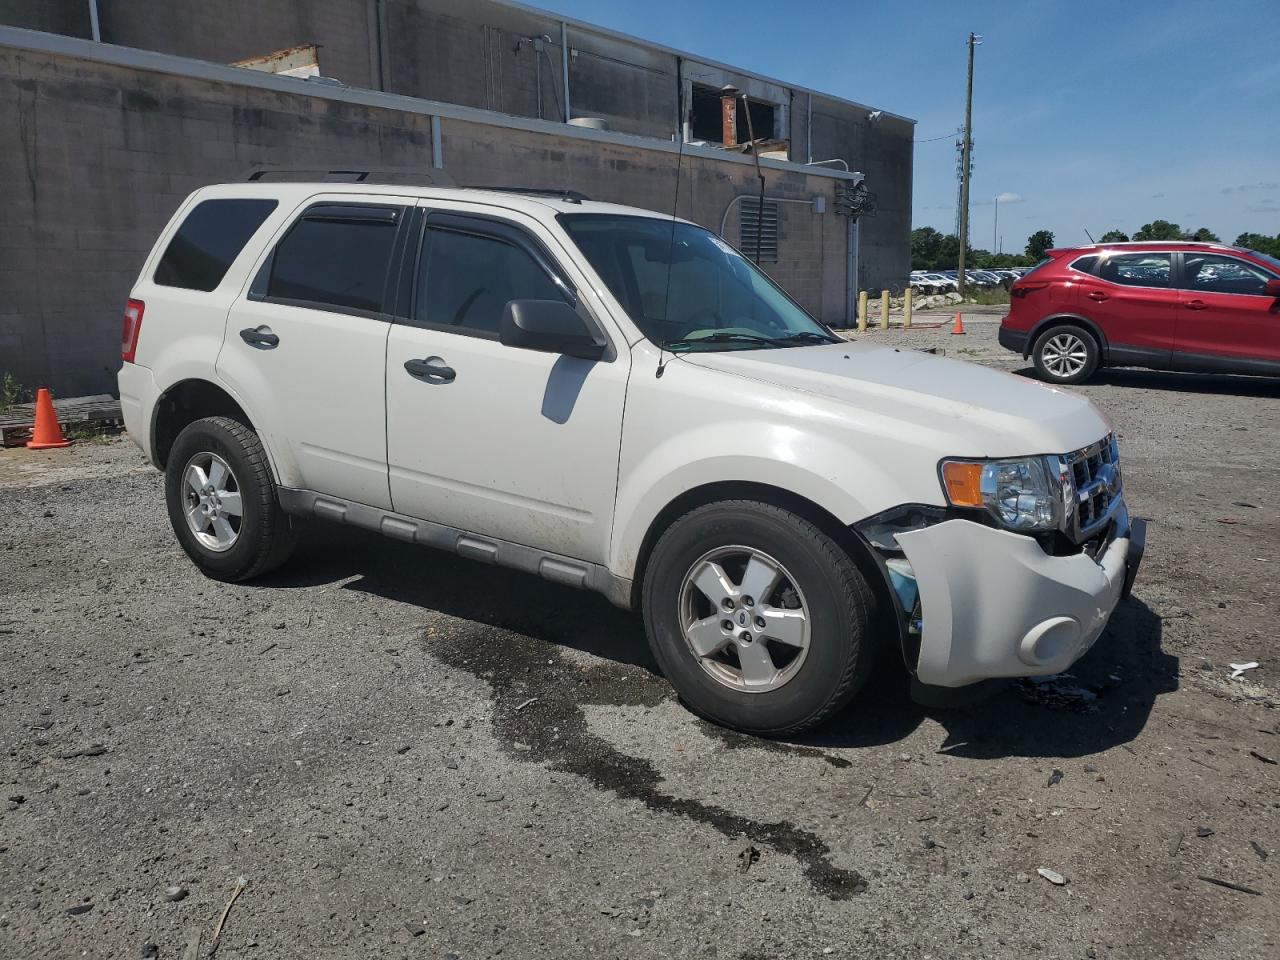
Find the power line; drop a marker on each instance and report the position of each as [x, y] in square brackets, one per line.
[945, 136]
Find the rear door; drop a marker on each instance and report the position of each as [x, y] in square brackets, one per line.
[514, 444]
[1225, 319]
[306, 345]
[1131, 297]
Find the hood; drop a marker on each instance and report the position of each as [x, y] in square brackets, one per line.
[999, 414]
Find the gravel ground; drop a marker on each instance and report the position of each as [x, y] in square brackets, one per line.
[406, 754]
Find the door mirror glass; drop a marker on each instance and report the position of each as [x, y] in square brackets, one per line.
[1273, 288]
[551, 326]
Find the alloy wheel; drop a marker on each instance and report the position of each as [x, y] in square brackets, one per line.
[745, 619]
[211, 502]
[1064, 355]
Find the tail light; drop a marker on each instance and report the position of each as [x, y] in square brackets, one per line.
[130, 329]
[1023, 287]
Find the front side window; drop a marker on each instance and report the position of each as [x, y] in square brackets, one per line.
[1137, 269]
[1212, 273]
[336, 256]
[466, 280]
[209, 240]
[686, 289]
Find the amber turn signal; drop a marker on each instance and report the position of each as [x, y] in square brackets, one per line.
[963, 482]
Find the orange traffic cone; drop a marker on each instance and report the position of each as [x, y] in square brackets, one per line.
[959, 325]
[48, 432]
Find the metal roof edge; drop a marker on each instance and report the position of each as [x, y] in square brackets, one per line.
[152, 61]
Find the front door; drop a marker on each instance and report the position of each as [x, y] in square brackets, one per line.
[1226, 315]
[1132, 300]
[514, 444]
[306, 347]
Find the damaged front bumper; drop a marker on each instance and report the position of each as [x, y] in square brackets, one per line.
[984, 603]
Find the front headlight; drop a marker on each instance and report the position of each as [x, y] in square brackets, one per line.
[1028, 494]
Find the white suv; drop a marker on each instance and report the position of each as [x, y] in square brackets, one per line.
[612, 399]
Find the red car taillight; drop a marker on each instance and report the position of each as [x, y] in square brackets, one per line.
[130, 329]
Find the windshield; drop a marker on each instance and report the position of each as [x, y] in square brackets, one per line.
[1267, 259]
[717, 299]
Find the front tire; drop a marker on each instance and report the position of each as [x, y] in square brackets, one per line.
[222, 501]
[1065, 354]
[759, 619]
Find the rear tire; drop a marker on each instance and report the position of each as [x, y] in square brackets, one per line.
[216, 467]
[1065, 354]
[773, 664]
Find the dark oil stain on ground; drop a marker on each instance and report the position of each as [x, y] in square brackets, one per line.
[555, 729]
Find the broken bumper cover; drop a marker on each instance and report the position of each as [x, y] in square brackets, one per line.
[995, 604]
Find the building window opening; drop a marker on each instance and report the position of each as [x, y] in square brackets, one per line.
[709, 123]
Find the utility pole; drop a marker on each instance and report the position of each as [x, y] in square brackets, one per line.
[974, 40]
[995, 228]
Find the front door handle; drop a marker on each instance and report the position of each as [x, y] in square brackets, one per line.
[431, 370]
[260, 337]
[1196, 305]
[1097, 295]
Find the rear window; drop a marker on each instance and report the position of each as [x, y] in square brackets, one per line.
[211, 237]
[337, 255]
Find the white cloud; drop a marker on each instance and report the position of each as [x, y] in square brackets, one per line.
[1010, 198]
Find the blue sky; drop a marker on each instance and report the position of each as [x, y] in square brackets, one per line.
[1092, 115]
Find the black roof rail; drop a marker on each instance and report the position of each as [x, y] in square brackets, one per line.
[569, 196]
[409, 176]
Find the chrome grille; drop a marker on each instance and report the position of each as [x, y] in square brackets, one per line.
[1097, 487]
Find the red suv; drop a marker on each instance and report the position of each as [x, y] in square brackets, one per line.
[1204, 307]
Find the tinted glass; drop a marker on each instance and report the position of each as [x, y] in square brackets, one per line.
[467, 280]
[211, 237]
[1211, 273]
[687, 289]
[1136, 269]
[1085, 264]
[334, 262]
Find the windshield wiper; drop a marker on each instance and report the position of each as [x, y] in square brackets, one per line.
[804, 336]
[722, 337]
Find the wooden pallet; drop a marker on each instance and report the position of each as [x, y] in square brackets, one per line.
[16, 422]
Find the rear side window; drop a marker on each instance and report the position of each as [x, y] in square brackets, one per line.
[468, 279]
[1085, 264]
[1137, 269]
[211, 237]
[337, 256]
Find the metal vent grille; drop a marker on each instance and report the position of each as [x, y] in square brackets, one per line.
[752, 225]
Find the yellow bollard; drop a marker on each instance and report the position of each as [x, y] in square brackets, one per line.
[884, 309]
[862, 311]
[906, 309]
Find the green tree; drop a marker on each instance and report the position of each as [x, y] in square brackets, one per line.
[1159, 230]
[1260, 242]
[1204, 235]
[926, 242]
[1114, 236]
[1038, 243]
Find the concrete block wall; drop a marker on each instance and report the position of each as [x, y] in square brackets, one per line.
[102, 155]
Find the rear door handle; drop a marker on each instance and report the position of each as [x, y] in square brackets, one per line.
[431, 370]
[1097, 295]
[260, 337]
[1196, 305]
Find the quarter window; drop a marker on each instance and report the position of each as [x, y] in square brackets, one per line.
[1211, 273]
[466, 280]
[1137, 269]
[210, 238]
[336, 256]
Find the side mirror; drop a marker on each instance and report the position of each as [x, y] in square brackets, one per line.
[551, 326]
[1272, 289]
